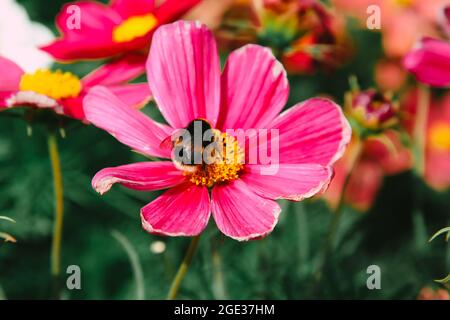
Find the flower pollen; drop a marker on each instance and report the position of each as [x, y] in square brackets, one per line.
[134, 27]
[222, 166]
[439, 137]
[56, 85]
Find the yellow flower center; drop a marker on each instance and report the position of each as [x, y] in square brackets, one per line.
[134, 27]
[223, 166]
[56, 85]
[439, 137]
[403, 3]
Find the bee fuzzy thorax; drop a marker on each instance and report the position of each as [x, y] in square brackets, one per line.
[208, 156]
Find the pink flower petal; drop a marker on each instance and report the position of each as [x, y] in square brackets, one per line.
[445, 19]
[134, 95]
[314, 131]
[129, 126]
[181, 211]
[10, 75]
[171, 10]
[95, 16]
[145, 176]
[292, 181]
[68, 50]
[117, 72]
[430, 62]
[184, 73]
[254, 88]
[128, 8]
[242, 214]
[73, 107]
[91, 38]
[5, 96]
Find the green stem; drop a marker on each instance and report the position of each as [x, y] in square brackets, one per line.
[176, 282]
[134, 261]
[334, 225]
[420, 128]
[218, 283]
[55, 260]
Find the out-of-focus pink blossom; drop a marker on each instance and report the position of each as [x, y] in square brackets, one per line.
[403, 23]
[429, 61]
[437, 140]
[389, 75]
[377, 160]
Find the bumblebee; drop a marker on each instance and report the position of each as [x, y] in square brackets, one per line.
[188, 145]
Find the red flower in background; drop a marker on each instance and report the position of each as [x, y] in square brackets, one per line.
[437, 165]
[64, 92]
[378, 159]
[437, 139]
[428, 293]
[403, 22]
[108, 30]
[302, 33]
[316, 30]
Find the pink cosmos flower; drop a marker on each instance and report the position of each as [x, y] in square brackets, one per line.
[184, 74]
[64, 92]
[108, 30]
[430, 62]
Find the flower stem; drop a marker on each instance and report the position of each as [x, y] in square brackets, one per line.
[55, 259]
[218, 283]
[334, 225]
[420, 128]
[176, 282]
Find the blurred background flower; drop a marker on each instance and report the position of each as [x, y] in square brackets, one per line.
[21, 45]
[403, 22]
[437, 137]
[304, 35]
[381, 156]
[428, 293]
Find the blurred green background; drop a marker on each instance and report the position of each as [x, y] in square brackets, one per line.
[393, 234]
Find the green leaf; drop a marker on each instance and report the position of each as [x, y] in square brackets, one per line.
[444, 230]
[134, 261]
[7, 219]
[7, 237]
[443, 281]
